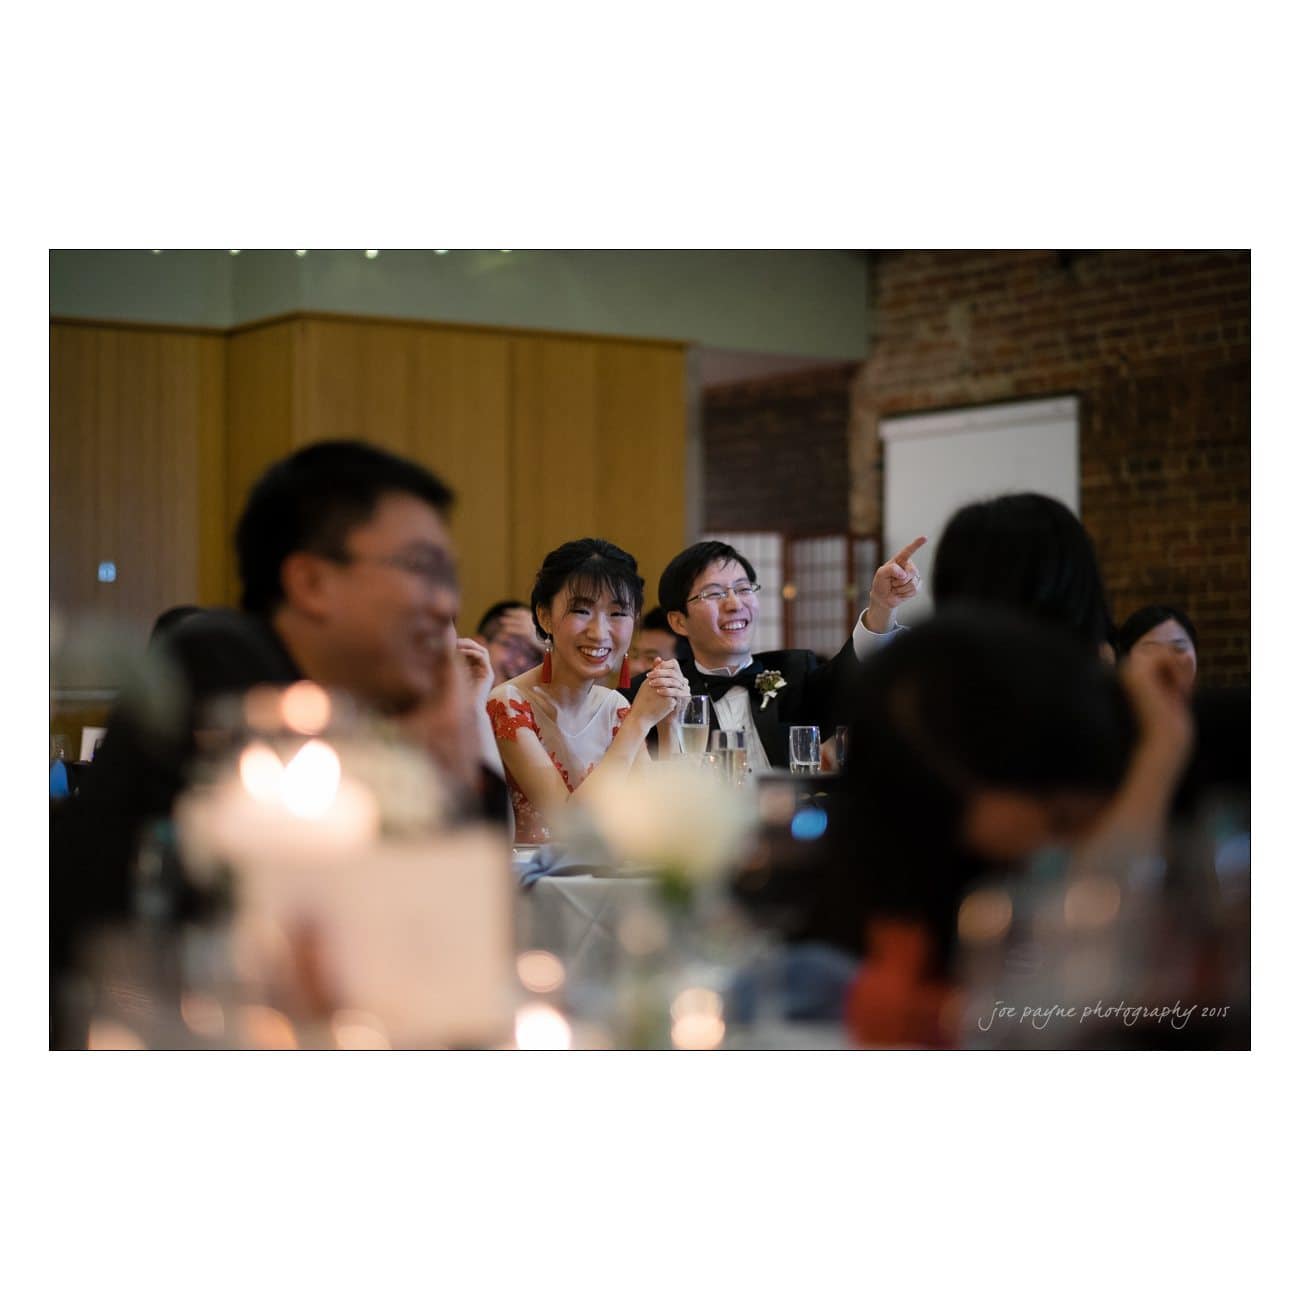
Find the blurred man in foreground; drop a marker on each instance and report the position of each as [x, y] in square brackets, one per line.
[348, 579]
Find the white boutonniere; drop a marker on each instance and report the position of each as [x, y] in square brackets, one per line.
[769, 682]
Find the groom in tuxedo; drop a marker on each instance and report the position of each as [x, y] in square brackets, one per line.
[710, 594]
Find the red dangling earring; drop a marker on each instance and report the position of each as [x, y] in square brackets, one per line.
[546, 665]
[624, 676]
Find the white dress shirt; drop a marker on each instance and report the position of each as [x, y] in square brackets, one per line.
[865, 640]
[733, 710]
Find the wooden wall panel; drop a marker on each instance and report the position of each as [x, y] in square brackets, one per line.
[641, 484]
[437, 395]
[134, 414]
[598, 449]
[260, 393]
[157, 436]
[554, 446]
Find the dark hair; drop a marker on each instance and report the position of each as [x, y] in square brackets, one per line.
[1026, 552]
[973, 699]
[311, 500]
[171, 618]
[591, 566]
[487, 625]
[656, 620]
[1141, 621]
[678, 578]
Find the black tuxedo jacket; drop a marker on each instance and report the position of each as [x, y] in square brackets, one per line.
[815, 694]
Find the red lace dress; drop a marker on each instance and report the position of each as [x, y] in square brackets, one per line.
[513, 708]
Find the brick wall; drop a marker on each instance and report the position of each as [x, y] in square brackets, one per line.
[1156, 346]
[776, 453]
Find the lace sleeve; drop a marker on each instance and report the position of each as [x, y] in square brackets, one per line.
[508, 716]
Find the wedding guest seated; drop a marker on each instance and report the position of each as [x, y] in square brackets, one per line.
[1161, 630]
[171, 618]
[506, 631]
[654, 639]
[710, 595]
[348, 578]
[1023, 551]
[992, 738]
[560, 732]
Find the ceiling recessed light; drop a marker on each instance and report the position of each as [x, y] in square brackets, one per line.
[155, 250]
[372, 253]
[441, 251]
[507, 250]
[302, 252]
[234, 252]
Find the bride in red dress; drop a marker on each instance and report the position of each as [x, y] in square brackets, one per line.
[560, 732]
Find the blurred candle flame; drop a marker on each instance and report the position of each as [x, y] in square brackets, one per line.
[306, 708]
[698, 1025]
[311, 780]
[359, 1031]
[112, 1036]
[266, 1029]
[203, 1015]
[984, 916]
[540, 971]
[261, 772]
[539, 1028]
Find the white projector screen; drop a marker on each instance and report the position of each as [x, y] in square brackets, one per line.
[936, 463]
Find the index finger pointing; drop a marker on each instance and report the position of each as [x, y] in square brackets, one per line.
[909, 550]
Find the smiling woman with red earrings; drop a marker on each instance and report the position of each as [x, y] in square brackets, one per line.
[560, 732]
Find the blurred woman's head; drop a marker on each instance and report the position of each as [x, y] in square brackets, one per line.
[1162, 630]
[1029, 553]
[978, 739]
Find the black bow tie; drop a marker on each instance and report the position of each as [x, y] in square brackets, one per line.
[715, 687]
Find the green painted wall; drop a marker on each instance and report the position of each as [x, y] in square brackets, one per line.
[801, 303]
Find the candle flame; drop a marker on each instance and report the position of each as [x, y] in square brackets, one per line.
[311, 780]
[261, 772]
[539, 1028]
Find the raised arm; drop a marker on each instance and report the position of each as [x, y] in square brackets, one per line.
[896, 581]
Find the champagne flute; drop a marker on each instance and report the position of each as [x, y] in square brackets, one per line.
[729, 747]
[695, 725]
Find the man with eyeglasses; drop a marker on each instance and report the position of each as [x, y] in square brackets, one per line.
[710, 593]
[348, 579]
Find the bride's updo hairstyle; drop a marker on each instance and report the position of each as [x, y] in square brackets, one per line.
[590, 567]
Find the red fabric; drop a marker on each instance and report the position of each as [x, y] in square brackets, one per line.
[622, 713]
[507, 720]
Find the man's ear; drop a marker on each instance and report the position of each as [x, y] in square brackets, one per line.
[677, 621]
[306, 580]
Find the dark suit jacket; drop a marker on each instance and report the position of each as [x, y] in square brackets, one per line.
[814, 695]
[143, 764]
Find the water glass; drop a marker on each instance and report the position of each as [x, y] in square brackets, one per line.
[728, 747]
[841, 747]
[805, 751]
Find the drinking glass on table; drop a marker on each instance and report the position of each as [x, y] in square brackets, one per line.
[841, 747]
[728, 748]
[805, 751]
[695, 725]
